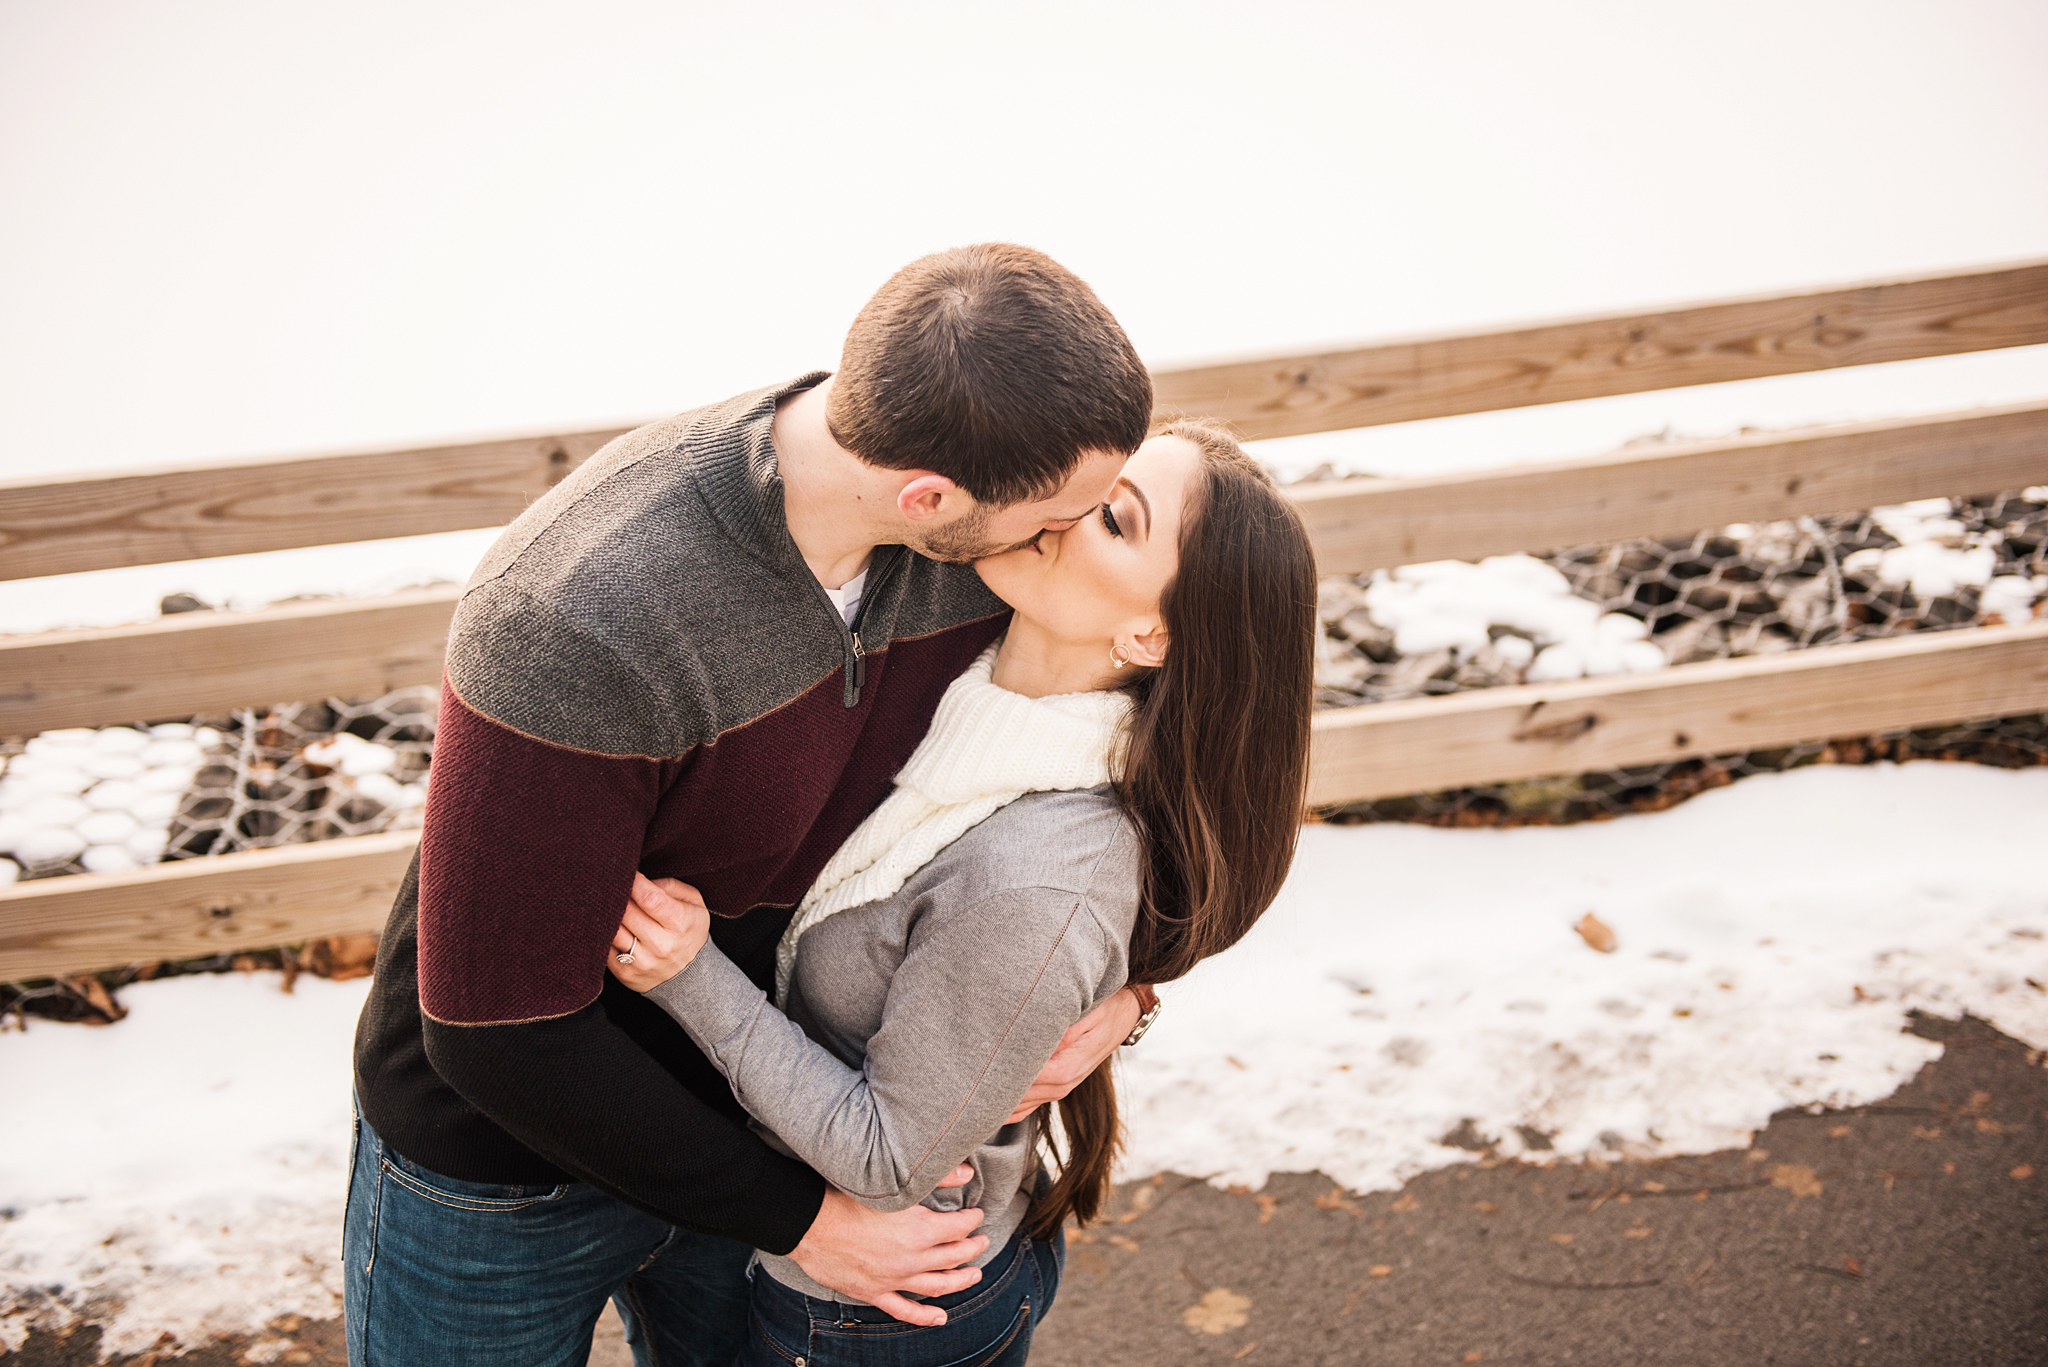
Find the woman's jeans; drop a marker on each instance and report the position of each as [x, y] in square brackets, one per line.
[987, 1325]
[441, 1273]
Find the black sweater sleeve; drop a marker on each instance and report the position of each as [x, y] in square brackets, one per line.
[580, 1093]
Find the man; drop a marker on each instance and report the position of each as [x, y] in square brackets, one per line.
[703, 656]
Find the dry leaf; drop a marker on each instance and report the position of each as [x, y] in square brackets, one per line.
[1485, 1207]
[1837, 1131]
[1218, 1312]
[1125, 1242]
[1653, 1186]
[1267, 1205]
[1474, 1357]
[1236, 1063]
[1854, 1268]
[1987, 1126]
[1407, 1202]
[1335, 1199]
[102, 1002]
[1380, 1270]
[1980, 1102]
[1244, 1351]
[1562, 1238]
[341, 957]
[1636, 1232]
[1759, 1155]
[1596, 933]
[2022, 1172]
[1796, 1178]
[1927, 1131]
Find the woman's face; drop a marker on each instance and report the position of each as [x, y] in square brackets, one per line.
[1100, 580]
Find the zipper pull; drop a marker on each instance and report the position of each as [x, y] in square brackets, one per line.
[860, 669]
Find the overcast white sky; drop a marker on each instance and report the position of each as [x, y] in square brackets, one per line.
[238, 227]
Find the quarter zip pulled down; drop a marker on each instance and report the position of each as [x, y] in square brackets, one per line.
[856, 662]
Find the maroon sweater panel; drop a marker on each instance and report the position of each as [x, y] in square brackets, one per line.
[529, 848]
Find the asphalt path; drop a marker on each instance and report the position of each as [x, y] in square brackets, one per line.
[1910, 1233]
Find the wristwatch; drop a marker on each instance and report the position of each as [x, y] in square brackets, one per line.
[1148, 1001]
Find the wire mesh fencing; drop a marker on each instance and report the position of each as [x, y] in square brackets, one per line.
[108, 799]
[309, 771]
[1644, 605]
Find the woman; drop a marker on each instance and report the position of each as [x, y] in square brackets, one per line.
[1111, 793]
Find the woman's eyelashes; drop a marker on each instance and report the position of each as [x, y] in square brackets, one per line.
[1109, 521]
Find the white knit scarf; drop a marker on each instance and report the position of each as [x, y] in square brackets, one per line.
[986, 748]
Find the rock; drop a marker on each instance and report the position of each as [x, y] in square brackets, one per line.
[183, 602]
[1337, 596]
[1406, 678]
[113, 765]
[47, 845]
[1810, 607]
[54, 810]
[147, 845]
[107, 859]
[107, 827]
[115, 795]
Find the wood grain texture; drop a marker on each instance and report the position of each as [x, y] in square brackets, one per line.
[193, 663]
[1584, 358]
[1497, 735]
[208, 662]
[197, 907]
[58, 525]
[1362, 525]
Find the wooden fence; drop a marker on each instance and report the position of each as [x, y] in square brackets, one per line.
[208, 662]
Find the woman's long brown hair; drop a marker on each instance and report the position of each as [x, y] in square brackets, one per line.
[1216, 770]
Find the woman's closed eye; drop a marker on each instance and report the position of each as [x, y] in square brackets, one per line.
[1109, 521]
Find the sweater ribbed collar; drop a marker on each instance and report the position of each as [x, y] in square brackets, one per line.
[738, 475]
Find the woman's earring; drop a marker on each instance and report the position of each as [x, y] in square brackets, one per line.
[1116, 658]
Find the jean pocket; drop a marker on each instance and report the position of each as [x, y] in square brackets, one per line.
[460, 1195]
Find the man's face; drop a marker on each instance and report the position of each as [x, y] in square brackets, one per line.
[982, 531]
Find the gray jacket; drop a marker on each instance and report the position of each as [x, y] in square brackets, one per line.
[916, 1023]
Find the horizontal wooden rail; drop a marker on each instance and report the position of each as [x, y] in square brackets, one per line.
[1498, 735]
[61, 524]
[206, 662]
[1588, 358]
[196, 907]
[268, 897]
[1361, 525]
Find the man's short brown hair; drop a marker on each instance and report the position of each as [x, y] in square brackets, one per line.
[992, 365]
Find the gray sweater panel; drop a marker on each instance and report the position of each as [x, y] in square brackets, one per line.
[917, 1022]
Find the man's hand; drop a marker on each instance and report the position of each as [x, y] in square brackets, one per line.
[1081, 1051]
[875, 1257]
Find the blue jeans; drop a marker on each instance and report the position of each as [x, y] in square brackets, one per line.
[441, 1273]
[987, 1325]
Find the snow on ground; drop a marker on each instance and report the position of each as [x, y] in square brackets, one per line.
[1772, 936]
[181, 1172]
[185, 1171]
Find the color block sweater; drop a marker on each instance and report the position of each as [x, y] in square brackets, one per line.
[643, 675]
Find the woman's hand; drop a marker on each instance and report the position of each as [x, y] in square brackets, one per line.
[666, 923]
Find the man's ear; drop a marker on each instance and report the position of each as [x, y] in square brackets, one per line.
[927, 496]
[1146, 649]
